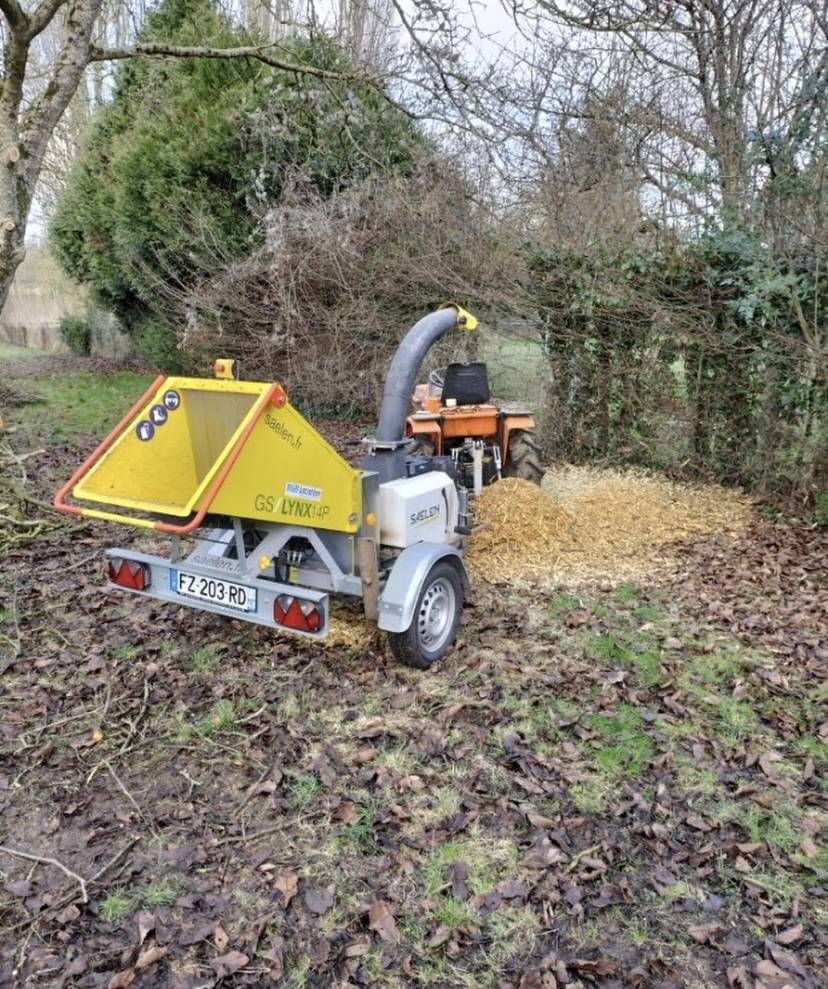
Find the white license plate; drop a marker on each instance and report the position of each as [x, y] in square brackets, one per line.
[213, 589]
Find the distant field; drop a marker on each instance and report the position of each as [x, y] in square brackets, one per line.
[517, 369]
[80, 402]
[9, 352]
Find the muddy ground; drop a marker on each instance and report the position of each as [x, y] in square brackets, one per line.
[619, 786]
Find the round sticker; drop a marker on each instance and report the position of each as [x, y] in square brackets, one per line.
[172, 400]
[158, 414]
[145, 430]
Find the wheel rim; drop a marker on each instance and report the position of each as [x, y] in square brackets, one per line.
[436, 616]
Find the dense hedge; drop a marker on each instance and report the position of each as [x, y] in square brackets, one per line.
[695, 357]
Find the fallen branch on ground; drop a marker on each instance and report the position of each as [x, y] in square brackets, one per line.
[64, 901]
[17, 527]
[47, 860]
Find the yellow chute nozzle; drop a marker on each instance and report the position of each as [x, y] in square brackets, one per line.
[465, 320]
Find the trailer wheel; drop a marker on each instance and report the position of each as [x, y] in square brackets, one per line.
[523, 457]
[433, 628]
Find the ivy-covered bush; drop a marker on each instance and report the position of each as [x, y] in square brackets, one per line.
[698, 356]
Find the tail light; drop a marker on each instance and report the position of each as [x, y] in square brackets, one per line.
[128, 573]
[291, 612]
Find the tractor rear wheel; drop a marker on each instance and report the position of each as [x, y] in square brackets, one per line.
[523, 457]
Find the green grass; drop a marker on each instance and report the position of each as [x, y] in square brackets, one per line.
[305, 788]
[512, 933]
[565, 708]
[561, 604]
[647, 613]
[605, 647]
[779, 827]
[451, 912]
[639, 653]
[115, 907]
[629, 748]
[486, 861]
[593, 795]
[10, 352]
[705, 782]
[637, 931]
[361, 830]
[782, 887]
[162, 893]
[733, 720]
[84, 403]
[222, 717]
[706, 681]
[627, 594]
[126, 654]
[716, 668]
[204, 660]
[813, 748]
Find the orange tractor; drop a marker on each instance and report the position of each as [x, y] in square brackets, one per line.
[456, 418]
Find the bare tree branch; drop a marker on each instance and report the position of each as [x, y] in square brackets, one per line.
[261, 53]
[43, 16]
[14, 14]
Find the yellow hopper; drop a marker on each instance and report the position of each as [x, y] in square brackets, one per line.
[193, 446]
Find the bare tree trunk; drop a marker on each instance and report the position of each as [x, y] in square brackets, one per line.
[25, 133]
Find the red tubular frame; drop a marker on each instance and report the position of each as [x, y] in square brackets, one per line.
[58, 501]
[274, 395]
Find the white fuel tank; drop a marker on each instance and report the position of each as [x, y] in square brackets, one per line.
[418, 509]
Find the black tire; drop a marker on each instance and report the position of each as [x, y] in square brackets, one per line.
[412, 647]
[523, 457]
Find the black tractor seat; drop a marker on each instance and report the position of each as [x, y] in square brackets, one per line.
[467, 384]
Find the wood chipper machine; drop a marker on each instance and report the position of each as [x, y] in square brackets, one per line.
[280, 520]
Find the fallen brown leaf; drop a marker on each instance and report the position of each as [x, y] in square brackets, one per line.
[381, 920]
[150, 957]
[229, 964]
[790, 936]
[288, 885]
[122, 979]
[220, 939]
[318, 901]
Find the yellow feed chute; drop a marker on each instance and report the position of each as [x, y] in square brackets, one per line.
[229, 447]
[287, 472]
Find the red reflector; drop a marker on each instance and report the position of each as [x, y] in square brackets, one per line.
[128, 573]
[290, 612]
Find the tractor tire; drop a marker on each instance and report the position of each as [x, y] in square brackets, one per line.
[433, 628]
[523, 457]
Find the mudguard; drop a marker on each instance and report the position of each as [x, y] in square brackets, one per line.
[399, 596]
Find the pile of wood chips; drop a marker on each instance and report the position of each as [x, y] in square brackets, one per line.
[587, 524]
[347, 628]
